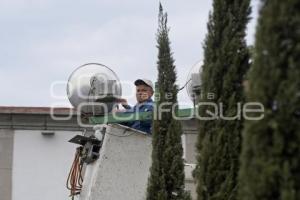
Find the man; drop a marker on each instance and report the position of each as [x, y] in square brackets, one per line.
[144, 92]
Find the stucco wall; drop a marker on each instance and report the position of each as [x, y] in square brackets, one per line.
[33, 166]
[6, 150]
[122, 170]
[41, 164]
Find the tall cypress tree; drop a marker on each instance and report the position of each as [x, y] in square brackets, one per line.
[226, 60]
[166, 181]
[270, 160]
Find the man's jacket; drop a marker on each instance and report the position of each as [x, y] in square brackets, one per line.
[144, 126]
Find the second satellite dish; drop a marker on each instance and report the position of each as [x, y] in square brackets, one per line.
[94, 88]
[194, 81]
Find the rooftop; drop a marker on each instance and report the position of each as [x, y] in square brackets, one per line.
[36, 110]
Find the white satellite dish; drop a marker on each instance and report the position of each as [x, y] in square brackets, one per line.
[194, 81]
[94, 88]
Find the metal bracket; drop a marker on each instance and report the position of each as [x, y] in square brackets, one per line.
[91, 147]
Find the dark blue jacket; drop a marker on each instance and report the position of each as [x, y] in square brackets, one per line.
[144, 126]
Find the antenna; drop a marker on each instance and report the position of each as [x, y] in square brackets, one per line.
[93, 88]
[194, 81]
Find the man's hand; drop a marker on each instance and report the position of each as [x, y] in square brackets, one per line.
[123, 102]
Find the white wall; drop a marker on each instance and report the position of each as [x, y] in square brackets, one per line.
[41, 165]
[122, 170]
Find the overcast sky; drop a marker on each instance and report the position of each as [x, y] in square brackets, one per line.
[43, 41]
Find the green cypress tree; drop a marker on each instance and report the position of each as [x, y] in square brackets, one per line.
[270, 160]
[226, 60]
[166, 181]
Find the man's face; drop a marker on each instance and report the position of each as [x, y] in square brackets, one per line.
[143, 93]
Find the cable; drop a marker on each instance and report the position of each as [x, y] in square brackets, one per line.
[184, 85]
[75, 180]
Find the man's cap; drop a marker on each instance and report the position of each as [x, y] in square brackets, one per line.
[144, 82]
